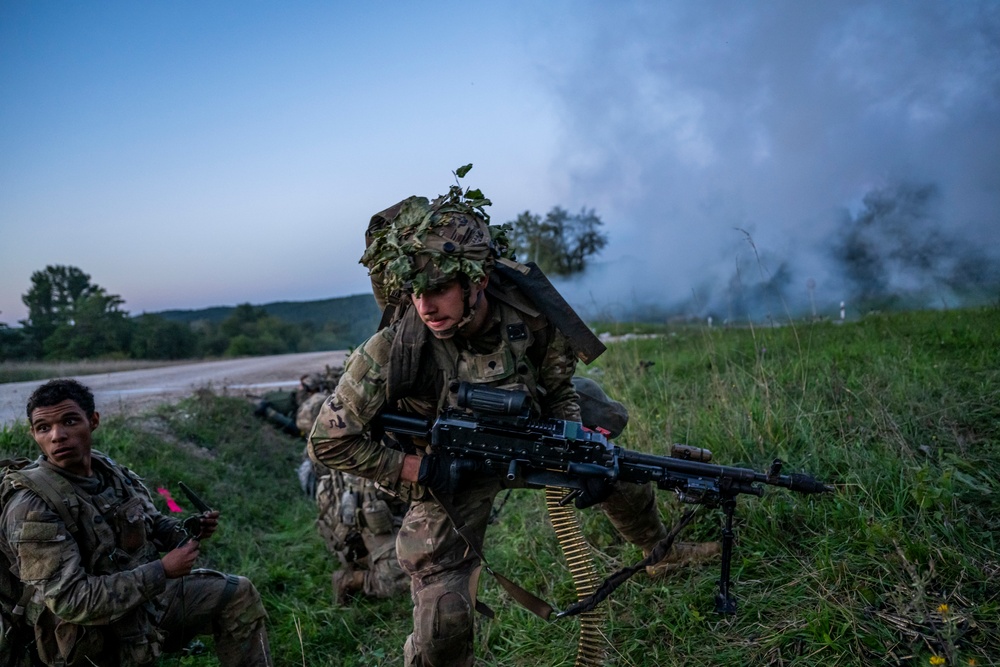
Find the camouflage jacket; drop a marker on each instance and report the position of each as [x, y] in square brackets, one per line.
[516, 349]
[104, 569]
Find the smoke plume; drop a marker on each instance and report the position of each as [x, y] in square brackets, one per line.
[764, 160]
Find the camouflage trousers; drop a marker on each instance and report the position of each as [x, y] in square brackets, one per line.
[444, 571]
[383, 576]
[197, 605]
[375, 557]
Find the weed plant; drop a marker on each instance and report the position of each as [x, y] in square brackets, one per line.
[901, 413]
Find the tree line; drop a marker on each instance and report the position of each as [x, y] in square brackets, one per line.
[70, 317]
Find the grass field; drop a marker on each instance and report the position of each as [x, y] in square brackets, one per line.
[900, 566]
[26, 371]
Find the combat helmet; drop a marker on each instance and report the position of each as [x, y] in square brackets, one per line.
[418, 244]
[422, 244]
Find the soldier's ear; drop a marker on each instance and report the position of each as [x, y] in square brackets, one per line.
[95, 421]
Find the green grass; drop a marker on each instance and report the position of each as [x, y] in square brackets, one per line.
[900, 412]
[26, 371]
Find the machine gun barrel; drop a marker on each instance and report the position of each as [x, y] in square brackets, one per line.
[798, 482]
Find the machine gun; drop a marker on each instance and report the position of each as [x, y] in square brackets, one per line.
[493, 428]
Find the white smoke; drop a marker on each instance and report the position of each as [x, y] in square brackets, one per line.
[731, 146]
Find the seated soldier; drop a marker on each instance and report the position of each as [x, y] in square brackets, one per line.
[85, 542]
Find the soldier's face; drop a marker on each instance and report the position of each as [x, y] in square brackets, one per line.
[63, 433]
[440, 308]
[443, 308]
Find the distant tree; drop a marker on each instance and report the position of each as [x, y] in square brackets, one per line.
[98, 328]
[251, 331]
[14, 344]
[155, 337]
[527, 239]
[331, 336]
[211, 342]
[51, 301]
[560, 243]
[70, 317]
[244, 319]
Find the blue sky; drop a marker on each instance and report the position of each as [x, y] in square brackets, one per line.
[197, 154]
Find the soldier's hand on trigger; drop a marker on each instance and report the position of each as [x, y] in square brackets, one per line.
[179, 561]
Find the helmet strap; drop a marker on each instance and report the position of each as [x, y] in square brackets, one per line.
[471, 311]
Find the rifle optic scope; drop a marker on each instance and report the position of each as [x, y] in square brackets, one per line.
[493, 401]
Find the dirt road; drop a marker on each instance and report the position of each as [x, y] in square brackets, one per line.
[135, 391]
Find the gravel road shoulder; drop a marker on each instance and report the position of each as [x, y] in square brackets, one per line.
[134, 392]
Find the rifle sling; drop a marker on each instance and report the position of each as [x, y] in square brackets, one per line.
[658, 553]
[534, 604]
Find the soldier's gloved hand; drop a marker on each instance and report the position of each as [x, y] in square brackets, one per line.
[595, 490]
[444, 474]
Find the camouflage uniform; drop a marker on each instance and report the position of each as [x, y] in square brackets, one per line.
[413, 248]
[357, 522]
[443, 572]
[99, 591]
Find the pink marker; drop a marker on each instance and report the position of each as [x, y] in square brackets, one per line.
[171, 503]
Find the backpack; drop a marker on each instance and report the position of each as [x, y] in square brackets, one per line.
[511, 281]
[17, 638]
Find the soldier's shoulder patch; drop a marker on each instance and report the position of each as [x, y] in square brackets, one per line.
[361, 382]
[368, 360]
[39, 531]
[378, 346]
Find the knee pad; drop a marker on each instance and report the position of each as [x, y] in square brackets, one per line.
[452, 616]
[442, 627]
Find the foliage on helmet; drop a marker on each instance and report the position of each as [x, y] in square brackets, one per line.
[417, 251]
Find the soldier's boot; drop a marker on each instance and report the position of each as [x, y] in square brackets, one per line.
[346, 583]
[683, 554]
